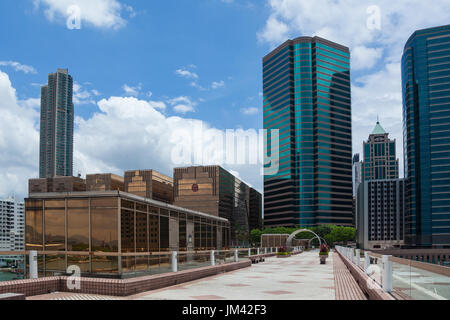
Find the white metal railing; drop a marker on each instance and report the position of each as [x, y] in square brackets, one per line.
[383, 277]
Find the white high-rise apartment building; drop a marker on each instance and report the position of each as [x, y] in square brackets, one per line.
[12, 226]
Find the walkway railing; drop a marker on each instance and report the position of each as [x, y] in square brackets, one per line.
[131, 264]
[404, 279]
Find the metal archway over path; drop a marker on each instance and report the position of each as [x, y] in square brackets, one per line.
[292, 236]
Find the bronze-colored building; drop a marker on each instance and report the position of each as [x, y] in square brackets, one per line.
[56, 184]
[149, 184]
[213, 190]
[112, 233]
[104, 182]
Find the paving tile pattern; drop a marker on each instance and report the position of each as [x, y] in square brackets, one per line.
[300, 277]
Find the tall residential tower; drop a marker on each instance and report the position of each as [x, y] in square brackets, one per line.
[426, 121]
[57, 115]
[307, 98]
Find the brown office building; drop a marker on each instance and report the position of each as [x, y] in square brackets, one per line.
[104, 182]
[149, 184]
[213, 190]
[56, 184]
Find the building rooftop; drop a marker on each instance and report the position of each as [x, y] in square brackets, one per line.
[379, 129]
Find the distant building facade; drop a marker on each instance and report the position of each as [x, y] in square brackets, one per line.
[255, 217]
[57, 119]
[307, 97]
[149, 184]
[104, 182]
[357, 174]
[426, 122]
[381, 214]
[213, 190]
[380, 160]
[56, 184]
[12, 227]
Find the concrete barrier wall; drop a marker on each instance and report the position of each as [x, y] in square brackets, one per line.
[116, 287]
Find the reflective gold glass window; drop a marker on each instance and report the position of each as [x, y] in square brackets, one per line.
[141, 207]
[128, 264]
[127, 230]
[33, 230]
[164, 233]
[142, 264]
[153, 210]
[55, 263]
[78, 229]
[204, 236]
[82, 262]
[104, 225]
[105, 265]
[197, 235]
[55, 229]
[141, 232]
[182, 234]
[127, 204]
[153, 229]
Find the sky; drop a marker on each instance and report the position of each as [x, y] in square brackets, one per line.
[150, 74]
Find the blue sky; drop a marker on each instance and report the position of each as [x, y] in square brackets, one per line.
[145, 69]
[164, 36]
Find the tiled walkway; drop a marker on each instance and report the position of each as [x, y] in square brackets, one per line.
[300, 277]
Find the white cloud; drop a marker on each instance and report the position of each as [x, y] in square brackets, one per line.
[250, 111]
[19, 141]
[83, 96]
[30, 103]
[218, 84]
[365, 58]
[275, 31]
[18, 66]
[183, 104]
[186, 73]
[132, 91]
[96, 13]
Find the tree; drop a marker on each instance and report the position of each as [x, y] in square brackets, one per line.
[255, 237]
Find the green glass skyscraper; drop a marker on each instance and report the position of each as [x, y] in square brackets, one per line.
[426, 121]
[307, 97]
[56, 135]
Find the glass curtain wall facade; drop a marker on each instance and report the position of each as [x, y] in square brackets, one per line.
[56, 133]
[307, 98]
[112, 234]
[426, 121]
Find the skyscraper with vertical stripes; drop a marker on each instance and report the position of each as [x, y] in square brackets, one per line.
[307, 97]
[380, 160]
[426, 127]
[56, 135]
